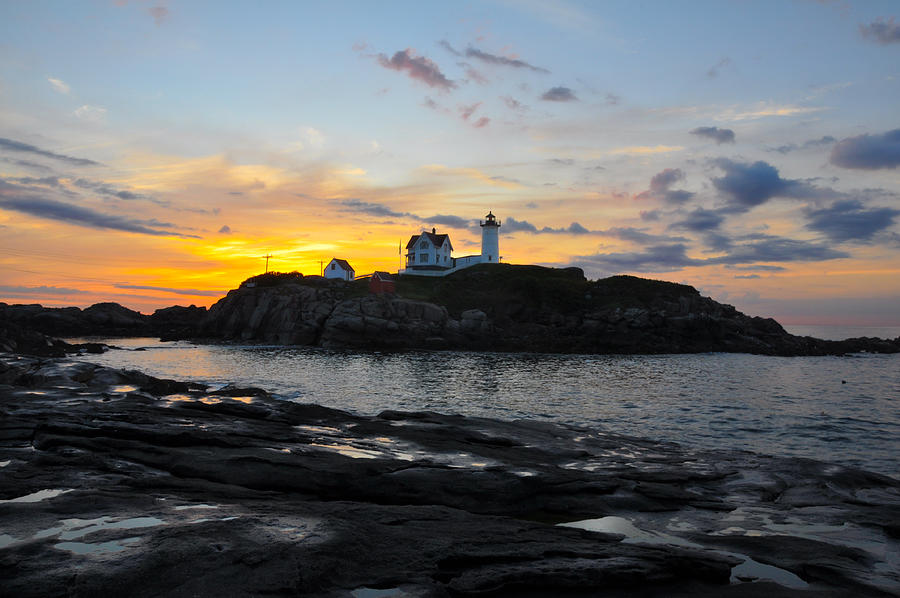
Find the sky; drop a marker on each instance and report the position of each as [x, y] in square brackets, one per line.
[153, 153]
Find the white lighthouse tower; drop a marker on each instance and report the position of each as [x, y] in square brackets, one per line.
[490, 240]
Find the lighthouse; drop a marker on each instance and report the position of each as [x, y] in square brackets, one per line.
[490, 239]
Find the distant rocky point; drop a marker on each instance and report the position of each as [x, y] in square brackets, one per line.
[495, 307]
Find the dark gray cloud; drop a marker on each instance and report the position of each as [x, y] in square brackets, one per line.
[660, 187]
[20, 291]
[17, 146]
[71, 214]
[373, 209]
[713, 71]
[502, 60]
[715, 133]
[511, 225]
[225, 230]
[656, 258]
[637, 235]
[195, 292]
[791, 147]
[559, 94]
[868, 152]
[671, 257]
[850, 220]
[747, 276]
[748, 185]
[449, 220]
[26, 164]
[881, 30]
[112, 191]
[766, 248]
[700, 220]
[417, 67]
[760, 267]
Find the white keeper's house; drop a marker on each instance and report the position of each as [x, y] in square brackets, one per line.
[430, 253]
[338, 268]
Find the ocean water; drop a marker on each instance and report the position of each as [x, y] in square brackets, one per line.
[840, 409]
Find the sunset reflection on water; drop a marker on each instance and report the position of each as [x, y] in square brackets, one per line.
[843, 409]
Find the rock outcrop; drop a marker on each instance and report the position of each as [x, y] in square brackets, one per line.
[115, 483]
[510, 308]
[103, 319]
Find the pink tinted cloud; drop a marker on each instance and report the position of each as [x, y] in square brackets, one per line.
[417, 67]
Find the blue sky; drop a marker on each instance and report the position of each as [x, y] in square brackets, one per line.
[747, 148]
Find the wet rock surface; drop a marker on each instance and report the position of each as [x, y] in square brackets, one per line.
[118, 483]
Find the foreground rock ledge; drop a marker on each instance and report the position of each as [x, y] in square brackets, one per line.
[115, 483]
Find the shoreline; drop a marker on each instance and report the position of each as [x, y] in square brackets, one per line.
[288, 498]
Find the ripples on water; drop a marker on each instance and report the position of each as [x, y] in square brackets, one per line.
[841, 409]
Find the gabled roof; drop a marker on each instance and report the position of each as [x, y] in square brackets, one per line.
[382, 276]
[436, 239]
[343, 264]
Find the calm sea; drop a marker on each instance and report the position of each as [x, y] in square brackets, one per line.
[840, 409]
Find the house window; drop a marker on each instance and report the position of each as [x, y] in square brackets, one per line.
[423, 245]
[423, 257]
[333, 266]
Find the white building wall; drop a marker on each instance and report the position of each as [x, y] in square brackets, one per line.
[335, 270]
[490, 244]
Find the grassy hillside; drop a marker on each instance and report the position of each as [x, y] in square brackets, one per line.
[502, 288]
[507, 289]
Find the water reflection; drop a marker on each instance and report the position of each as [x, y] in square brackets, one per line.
[845, 409]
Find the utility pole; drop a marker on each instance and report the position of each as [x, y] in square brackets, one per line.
[321, 268]
[267, 256]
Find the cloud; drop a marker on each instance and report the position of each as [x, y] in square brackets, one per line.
[883, 31]
[748, 185]
[673, 256]
[659, 187]
[18, 146]
[511, 225]
[449, 220]
[225, 230]
[111, 191]
[656, 258]
[559, 94]
[193, 292]
[700, 220]
[766, 248]
[713, 71]
[637, 235]
[20, 291]
[373, 209]
[748, 276]
[59, 85]
[50, 209]
[514, 104]
[90, 113]
[790, 147]
[417, 67]
[718, 135]
[868, 152]
[849, 220]
[646, 149]
[160, 14]
[501, 60]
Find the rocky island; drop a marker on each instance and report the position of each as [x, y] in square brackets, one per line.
[495, 307]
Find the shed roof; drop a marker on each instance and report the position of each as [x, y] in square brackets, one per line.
[382, 276]
[343, 264]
